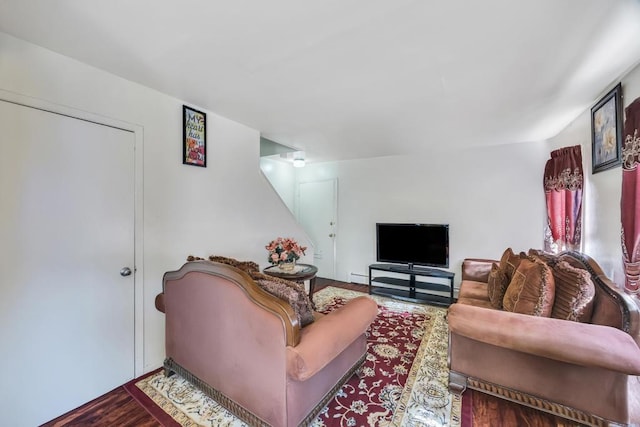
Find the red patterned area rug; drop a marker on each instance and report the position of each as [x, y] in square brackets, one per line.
[403, 382]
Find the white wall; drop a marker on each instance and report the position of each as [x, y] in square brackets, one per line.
[282, 177]
[492, 198]
[227, 208]
[602, 191]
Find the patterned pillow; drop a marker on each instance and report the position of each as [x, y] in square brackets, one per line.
[575, 293]
[531, 290]
[509, 262]
[548, 258]
[497, 285]
[289, 291]
[246, 266]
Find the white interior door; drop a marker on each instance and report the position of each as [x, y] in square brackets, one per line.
[317, 213]
[66, 231]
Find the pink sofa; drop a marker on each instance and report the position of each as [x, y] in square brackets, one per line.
[246, 349]
[586, 371]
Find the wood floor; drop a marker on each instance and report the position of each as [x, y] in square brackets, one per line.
[118, 408]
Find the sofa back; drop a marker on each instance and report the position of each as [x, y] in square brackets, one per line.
[612, 307]
[228, 332]
[477, 269]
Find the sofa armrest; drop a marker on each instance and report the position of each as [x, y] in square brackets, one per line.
[477, 269]
[567, 341]
[327, 337]
[160, 302]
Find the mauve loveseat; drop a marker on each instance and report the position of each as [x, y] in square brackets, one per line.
[581, 370]
[246, 348]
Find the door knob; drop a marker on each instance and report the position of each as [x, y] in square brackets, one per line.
[126, 271]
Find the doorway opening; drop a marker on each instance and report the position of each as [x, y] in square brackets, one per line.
[313, 202]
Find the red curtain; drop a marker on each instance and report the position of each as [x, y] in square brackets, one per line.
[563, 179]
[630, 200]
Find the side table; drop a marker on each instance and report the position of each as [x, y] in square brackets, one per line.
[299, 274]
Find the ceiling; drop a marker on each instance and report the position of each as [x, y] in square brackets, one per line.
[343, 79]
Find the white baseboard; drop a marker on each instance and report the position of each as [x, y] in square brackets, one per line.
[359, 278]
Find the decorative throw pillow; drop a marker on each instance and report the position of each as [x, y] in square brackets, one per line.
[497, 285]
[548, 258]
[575, 293]
[246, 266]
[571, 260]
[289, 291]
[531, 290]
[509, 262]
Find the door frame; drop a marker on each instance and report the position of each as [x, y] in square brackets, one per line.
[335, 213]
[138, 132]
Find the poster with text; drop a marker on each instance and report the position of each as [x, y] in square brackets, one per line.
[194, 150]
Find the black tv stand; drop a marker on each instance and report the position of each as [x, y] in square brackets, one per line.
[411, 267]
[410, 289]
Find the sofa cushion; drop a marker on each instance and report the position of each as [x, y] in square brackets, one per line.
[474, 293]
[509, 262]
[476, 302]
[575, 293]
[497, 284]
[531, 290]
[473, 289]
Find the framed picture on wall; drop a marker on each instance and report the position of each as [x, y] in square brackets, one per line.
[194, 141]
[606, 131]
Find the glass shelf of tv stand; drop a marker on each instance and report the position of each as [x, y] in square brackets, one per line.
[415, 290]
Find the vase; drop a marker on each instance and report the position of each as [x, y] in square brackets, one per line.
[287, 266]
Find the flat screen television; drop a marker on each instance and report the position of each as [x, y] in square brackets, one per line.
[419, 244]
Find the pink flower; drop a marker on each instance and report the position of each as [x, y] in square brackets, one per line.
[284, 249]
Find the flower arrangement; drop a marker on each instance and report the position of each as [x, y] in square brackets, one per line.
[284, 250]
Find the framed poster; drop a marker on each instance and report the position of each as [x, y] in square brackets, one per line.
[194, 144]
[606, 131]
